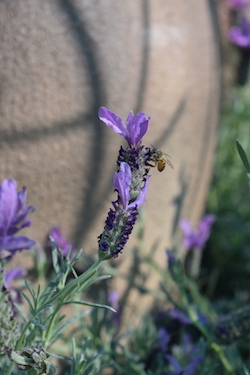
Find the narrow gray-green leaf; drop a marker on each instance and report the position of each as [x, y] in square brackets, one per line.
[243, 155]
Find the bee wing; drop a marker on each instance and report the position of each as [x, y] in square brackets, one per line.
[168, 157]
[170, 163]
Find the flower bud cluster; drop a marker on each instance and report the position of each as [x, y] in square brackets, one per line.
[37, 359]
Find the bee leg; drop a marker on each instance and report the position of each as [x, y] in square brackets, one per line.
[150, 165]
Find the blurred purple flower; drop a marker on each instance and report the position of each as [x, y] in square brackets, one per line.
[12, 274]
[238, 4]
[187, 344]
[60, 241]
[196, 238]
[178, 315]
[13, 217]
[240, 35]
[190, 369]
[113, 298]
[133, 131]
[164, 339]
[14, 292]
[171, 258]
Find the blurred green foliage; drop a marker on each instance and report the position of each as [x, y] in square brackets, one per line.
[227, 255]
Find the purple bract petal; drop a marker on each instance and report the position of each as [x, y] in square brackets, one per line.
[137, 126]
[142, 197]
[11, 244]
[8, 204]
[113, 121]
[122, 182]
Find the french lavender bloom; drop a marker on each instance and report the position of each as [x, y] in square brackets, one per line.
[13, 218]
[130, 182]
[240, 35]
[196, 238]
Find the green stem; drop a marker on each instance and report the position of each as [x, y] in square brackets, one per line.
[20, 341]
[220, 353]
[50, 326]
[11, 366]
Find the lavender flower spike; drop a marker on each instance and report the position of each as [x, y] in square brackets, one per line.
[133, 131]
[13, 217]
[122, 217]
[130, 182]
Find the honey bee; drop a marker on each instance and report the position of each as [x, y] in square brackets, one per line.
[160, 159]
